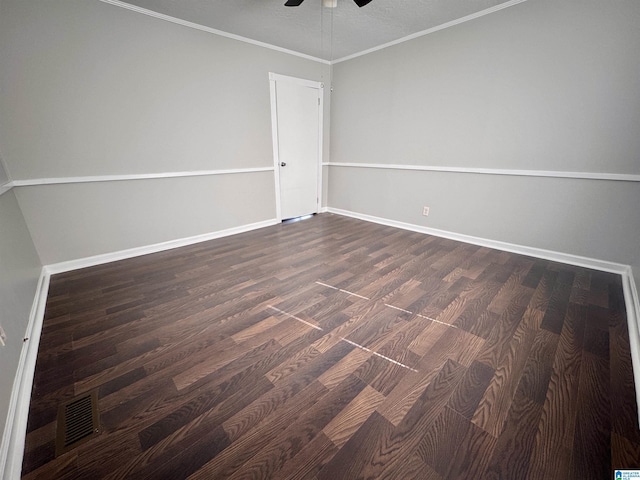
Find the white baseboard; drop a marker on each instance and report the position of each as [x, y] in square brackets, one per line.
[13, 438]
[632, 304]
[157, 247]
[567, 258]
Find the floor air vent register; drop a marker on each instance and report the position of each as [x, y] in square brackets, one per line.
[77, 422]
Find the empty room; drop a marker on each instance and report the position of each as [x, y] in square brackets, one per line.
[319, 239]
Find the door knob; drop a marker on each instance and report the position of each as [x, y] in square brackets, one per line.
[283, 164]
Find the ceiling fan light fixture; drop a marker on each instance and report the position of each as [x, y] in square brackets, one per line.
[330, 3]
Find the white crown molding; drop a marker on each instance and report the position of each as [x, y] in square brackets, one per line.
[221, 33]
[240, 38]
[14, 435]
[141, 176]
[618, 177]
[437, 28]
[157, 247]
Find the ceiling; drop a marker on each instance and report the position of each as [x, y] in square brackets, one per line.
[324, 33]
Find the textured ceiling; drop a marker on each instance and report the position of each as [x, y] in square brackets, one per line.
[326, 33]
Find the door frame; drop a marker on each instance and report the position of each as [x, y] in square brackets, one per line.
[273, 78]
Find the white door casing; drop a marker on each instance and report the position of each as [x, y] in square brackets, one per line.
[296, 118]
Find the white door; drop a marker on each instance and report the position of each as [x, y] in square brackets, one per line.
[297, 120]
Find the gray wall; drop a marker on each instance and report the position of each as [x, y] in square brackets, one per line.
[111, 216]
[94, 89]
[19, 272]
[543, 85]
[4, 177]
[569, 216]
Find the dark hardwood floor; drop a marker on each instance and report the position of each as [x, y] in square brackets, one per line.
[337, 349]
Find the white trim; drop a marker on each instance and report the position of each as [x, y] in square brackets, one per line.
[221, 33]
[140, 176]
[619, 177]
[13, 438]
[273, 98]
[276, 77]
[240, 38]
[567, 258]
[273, 79]
[157, 247]
[320, 144]
[632, 304]
[452, 23]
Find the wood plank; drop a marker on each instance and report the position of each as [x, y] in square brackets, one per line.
[350, 419]
[354, 458]
[528, 375]
[309, 461]
[285, 446]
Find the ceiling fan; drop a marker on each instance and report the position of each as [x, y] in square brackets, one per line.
[295, 3]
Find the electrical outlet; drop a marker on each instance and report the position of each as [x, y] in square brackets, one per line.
[3, 337]
[425, 211]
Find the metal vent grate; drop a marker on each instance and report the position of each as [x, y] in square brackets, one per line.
[77, 422]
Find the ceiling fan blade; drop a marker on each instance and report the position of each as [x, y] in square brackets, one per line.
[293, 3]
[361, 3]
